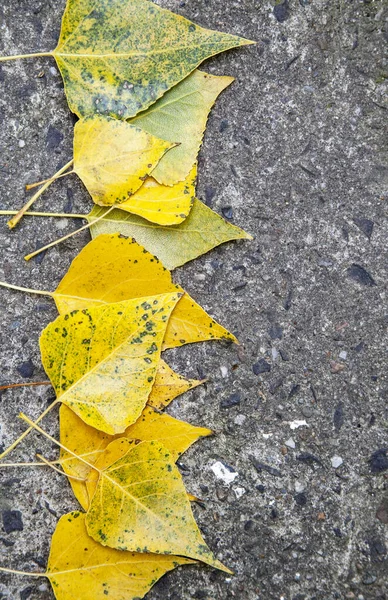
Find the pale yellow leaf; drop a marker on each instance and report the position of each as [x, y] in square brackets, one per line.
[180, 116]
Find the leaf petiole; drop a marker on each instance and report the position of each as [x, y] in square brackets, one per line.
[32, 383]
[45, 214]
[20, 56]
[15, 220]
[27, 431]
[49, 437]
[69, 235]
[27, 573]
[27, 290]
[31, 186]
[48, 463]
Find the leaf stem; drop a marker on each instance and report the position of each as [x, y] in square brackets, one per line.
[20, 56]
[27, 573]
[45, 214]
[69, 235]
[27, 431]
[17, 385]
[23, 289]
[49, 437]
[15, 220]
[50, 464]
[31, 186]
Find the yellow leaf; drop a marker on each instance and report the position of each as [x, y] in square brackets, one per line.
[112, 268]
[174, 245]
[78, 567]
[140, 504]
[102, 361]
[118, 56]
[89, 443]
[180, 116]
[168, 385]
[163, 204]
[114, 158]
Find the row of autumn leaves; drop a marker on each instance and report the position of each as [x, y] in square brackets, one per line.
[135, 147]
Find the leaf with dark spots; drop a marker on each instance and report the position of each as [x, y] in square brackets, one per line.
[79, 567]
[112, 268]
[107, 383]
[119, 58]
[147, 503]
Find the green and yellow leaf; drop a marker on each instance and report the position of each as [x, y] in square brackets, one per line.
[79, 567]
[180, 116]
[117, 57]
[174, 245]
[113, 158]
[102, 361]
[112, 268]
[89, 443]
[140, 504]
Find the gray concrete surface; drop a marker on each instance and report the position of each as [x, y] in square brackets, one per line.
[295, 152]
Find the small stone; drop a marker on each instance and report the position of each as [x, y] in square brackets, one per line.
[22, 143]
[26, 369]
[284, 450]
[26, 593]
[284, 354]
[338, 418]
[297, 577]
[360, 275]
[210, 192]
[224, 125]
[232, 400]
[227, 212]
[299, 486]
[260, 467]
[336, 367]
[294, 391]
[364, 225]
[224, 371]
[281, 11]
[260, 488]
[54, 138]
[275, 332]
[54, 71]
[307, 411]
[321, 516]
[240, 419]
[369, 579]
[275, 384]
[379, 461]
[261, 367]
[301, 499]
[290, 443]
[336, 462]
[343, 355]
[12, 521]
[382, 511]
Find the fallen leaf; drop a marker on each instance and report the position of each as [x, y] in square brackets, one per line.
[168, 385]
[118, 56]
[180, 116]
[163, 204]
[140, 504]
[102, 361]
[89, 443]
[79, 567]
[112, 268]
[113, 158]
[174, 245]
